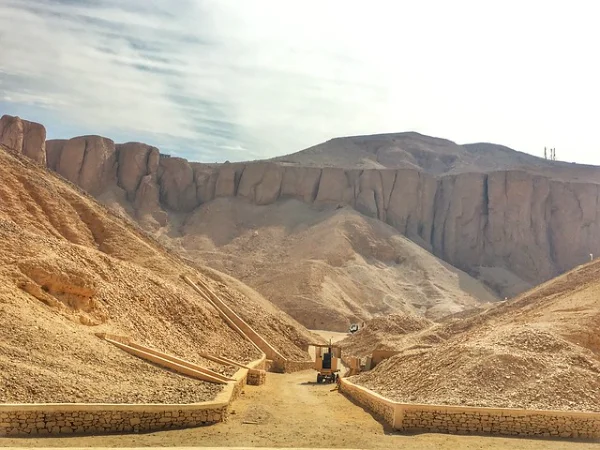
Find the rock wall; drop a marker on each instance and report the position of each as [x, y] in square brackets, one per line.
[297, 366]
[511, 423]
[413, 418]
[534, 226]
[511, 219]
[44, 419]
[87, 419]
[379, 406]
[256, 377]
[24, 137]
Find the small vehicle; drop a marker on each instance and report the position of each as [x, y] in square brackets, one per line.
[327, 362]
[353, 328]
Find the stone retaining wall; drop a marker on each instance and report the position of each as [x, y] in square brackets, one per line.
[379, 406]
[458, 420]
[297, 366]
[414, 418]
[256, 377]
[82, 418]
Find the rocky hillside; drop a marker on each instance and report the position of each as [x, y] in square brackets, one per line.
[500, 215]
[408, 151]
[540, 350]
[69, 269]
[326, 267]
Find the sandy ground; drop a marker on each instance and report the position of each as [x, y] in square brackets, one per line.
[335, 336]
[291, 411]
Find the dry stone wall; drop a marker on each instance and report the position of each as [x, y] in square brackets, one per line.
[85, 419]
[413, 418]
[256, 377]
[505, 422]
[297, 366]
[54, 419]
[380, 406]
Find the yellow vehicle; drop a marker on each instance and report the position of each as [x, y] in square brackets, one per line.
[327, 362]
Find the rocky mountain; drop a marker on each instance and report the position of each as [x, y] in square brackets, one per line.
[428, 154]
[327, 267]
[540, 350]
[70, 268]
[497, 214]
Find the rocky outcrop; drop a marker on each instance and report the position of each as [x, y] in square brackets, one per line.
[532, 225]
[88, 161]
[178, 190]
[136, 161]
[24, 137]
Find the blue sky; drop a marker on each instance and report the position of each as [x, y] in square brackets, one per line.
[212, 80]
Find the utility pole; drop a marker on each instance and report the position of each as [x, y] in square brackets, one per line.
[545, 153]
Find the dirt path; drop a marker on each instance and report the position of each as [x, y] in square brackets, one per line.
[335, 336]
[292, 411]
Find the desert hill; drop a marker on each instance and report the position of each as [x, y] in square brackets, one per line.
[69, 269]
[540, 350]
[499, 215]
[409, 150]
[428, 154]
[327, 267]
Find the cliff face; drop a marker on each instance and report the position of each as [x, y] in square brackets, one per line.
[533, 226]
[23, 137]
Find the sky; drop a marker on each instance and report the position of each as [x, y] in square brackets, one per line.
[216, 80]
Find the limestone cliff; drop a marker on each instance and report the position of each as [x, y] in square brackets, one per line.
[23, 137]
[515, 220]
[532, 225]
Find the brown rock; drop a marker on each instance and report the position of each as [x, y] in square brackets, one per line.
[24, 137]
[370, 200]
[147, 195]
[53, 150]
[205, 178]
[136, 160]
[228, 179]
[335, 187]
[177, 186]
[261, 183]
[88, 161]
[301, 183]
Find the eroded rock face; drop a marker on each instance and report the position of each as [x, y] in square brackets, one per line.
[136, 161]
[24, 137]
[88, 161]
[532, 225]
[261, 183]
[177, 184]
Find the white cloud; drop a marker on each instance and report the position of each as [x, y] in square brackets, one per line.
[233, 79]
